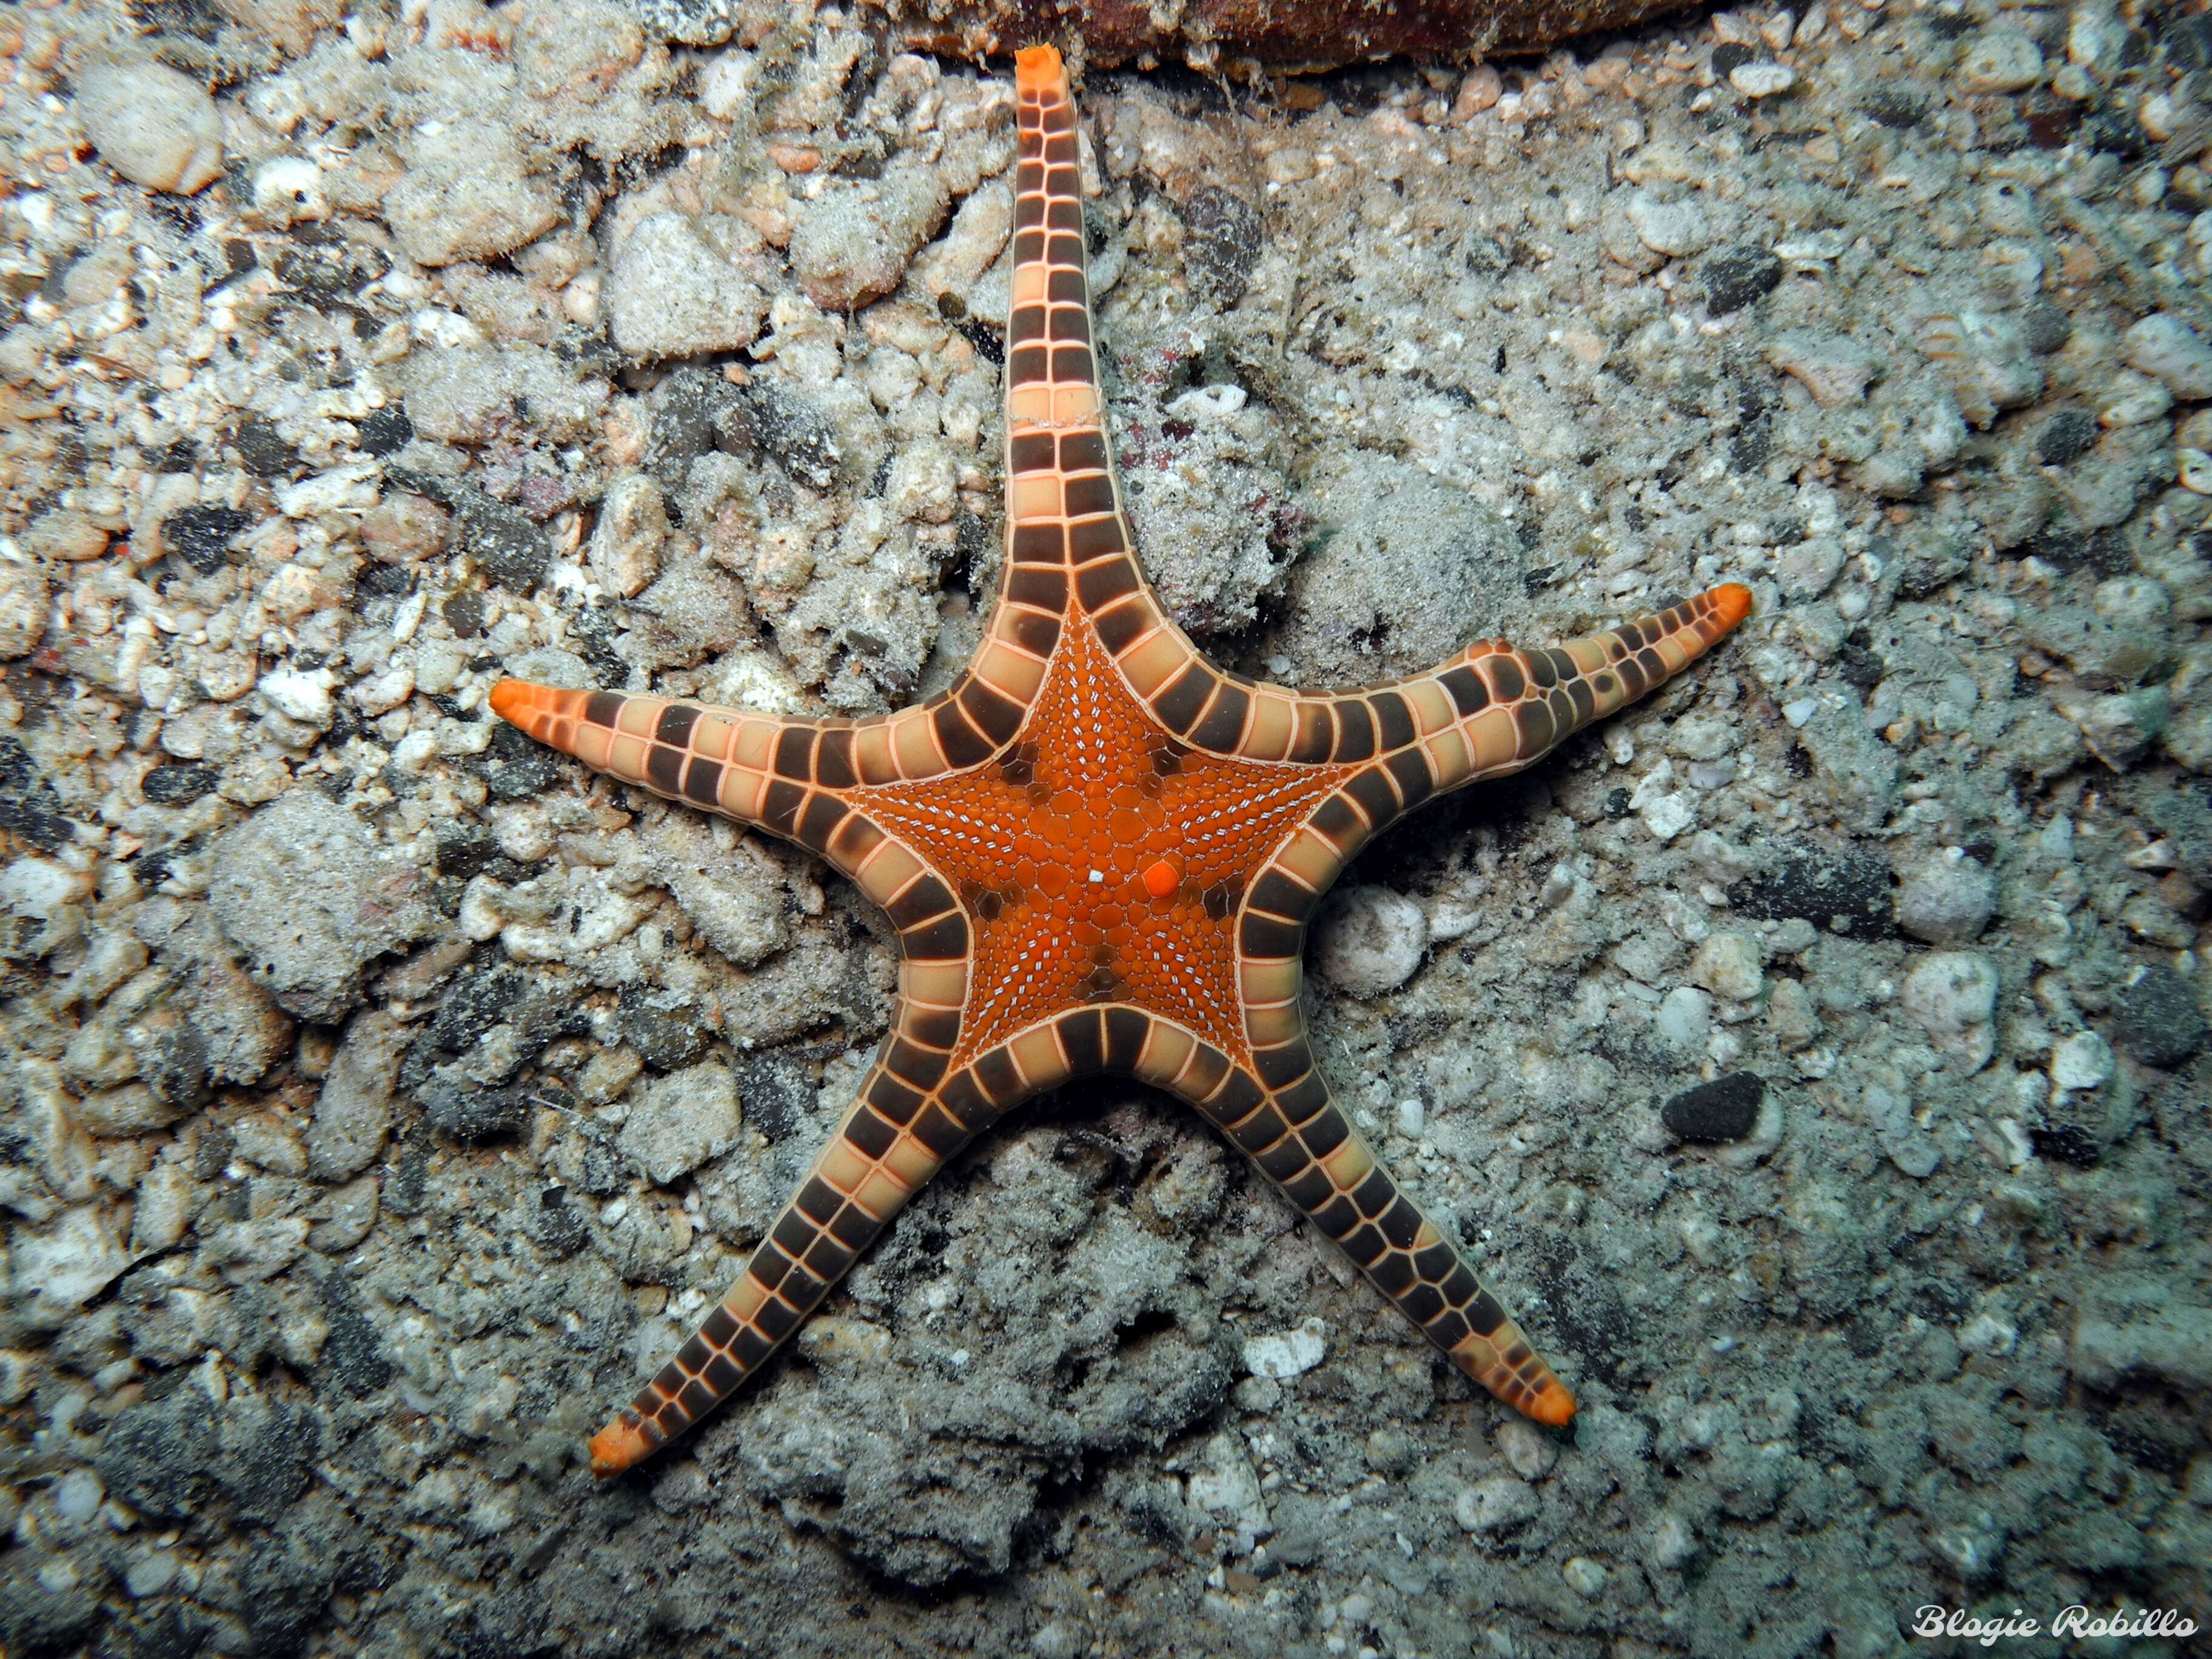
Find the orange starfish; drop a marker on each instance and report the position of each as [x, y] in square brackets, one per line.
[1099, 851]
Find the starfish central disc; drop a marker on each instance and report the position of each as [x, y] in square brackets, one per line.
[1100, 859]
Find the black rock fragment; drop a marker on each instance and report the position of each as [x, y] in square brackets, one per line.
[689, 410]
[2156, 1019]
[1843, 889]
[470, 1113]
[2067, 1143]
[1736, 276]
[778, 1093]
[1730, 56]
[464, 613]
[263, 452]
[1862, 666]
[267, 1447]
[1725, 1110]
[2065, 436]
[511, 549]
[384, 431]
[173, 1058]
[553, 1223]
[1892, 107]
[473, 1005]
[159, 1455]
[172, 784]
[28, 806]
[514, 552]
[352, 1352]
[384, 581]
[2045, 328]
[201, 536]
[518, 768]
[667, 1036]
[777, 422]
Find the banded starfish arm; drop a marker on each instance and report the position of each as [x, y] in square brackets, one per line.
[1068, 543]
[916, 1110]
[766, 769]
[895, 1136]
[1491, 711]
[1279, 1112]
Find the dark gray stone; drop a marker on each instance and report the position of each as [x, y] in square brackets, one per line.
[176, 784]
[2156, 1019]
[1225, 237]
[28, 806]
[1736, 276]
[468, 1111]
[2065, 435]
[1841, 889]
[159, 1455]
[263, 452]
[385, 431]
[1725, 1110]
[351, 1351]
[667, 1035]
[267, 1447]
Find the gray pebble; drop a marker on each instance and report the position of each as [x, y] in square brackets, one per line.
[679, 1122]
[468, 194]
[1368, 939]
[853, 240]
[310, 899]
[2166, 348]
[353, 1114]
[1948, 900]
[2156, 1018]
[1495, 1506]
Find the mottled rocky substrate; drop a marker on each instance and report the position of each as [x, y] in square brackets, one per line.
[1815, 1056]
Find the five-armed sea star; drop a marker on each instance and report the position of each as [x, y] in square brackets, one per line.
[1099, 851]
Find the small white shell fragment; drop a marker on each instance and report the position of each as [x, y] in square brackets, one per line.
[2082, 1061]
[1209, 406]
[297, 697]
[1762, 80]
[288, 189]
[1495, 1504]
[1286, 1353]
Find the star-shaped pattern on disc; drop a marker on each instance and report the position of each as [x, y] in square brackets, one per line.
[1100, 852]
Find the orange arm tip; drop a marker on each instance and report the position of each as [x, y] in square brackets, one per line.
[1036, 66]
[619, 1446]
[1734, 599]
[1555, 1407]
[508, 699]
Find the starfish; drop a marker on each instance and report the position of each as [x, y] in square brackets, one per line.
[1099, 851]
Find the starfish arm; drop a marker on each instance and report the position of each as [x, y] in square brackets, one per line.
[745, 765]
[913, 1114]
[1279, 1113]
[1491, 711]
[1067, 532]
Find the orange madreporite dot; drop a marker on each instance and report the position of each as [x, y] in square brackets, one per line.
[1100, 839]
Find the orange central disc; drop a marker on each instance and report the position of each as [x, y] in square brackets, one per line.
[1100, 859]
